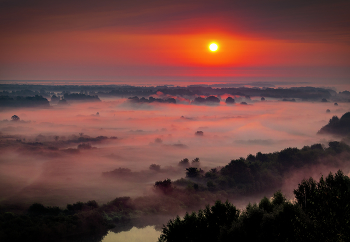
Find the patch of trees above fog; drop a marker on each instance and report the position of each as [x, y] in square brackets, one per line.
[80, 97]
[337, 126]
[263, 172]
[76, 92]
[151, 100]
[23, 102]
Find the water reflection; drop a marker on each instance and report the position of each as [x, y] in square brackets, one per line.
[146, 234]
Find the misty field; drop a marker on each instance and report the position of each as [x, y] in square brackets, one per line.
[42, 161]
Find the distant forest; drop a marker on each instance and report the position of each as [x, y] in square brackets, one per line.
[10, 94]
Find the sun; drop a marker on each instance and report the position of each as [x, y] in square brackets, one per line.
[213, 47]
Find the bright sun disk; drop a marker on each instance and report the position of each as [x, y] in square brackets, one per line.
[213, 47]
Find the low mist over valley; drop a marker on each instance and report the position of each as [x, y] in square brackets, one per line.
[165, 150]
[174, 121]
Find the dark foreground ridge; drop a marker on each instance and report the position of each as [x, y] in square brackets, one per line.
[321, 213]
[321, 210]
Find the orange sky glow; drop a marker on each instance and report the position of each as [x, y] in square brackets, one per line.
[106, 44]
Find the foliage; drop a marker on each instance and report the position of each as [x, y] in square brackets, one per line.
[40, 223]
[193, 172]
[265, 172]
[204, 226]
[195, 162]
[270, 220]
[184, 162]
[84, 146]
[327, 204]
[164, 186]
[337, 126]
[320, 213]
[320, 206]
[154, 167]
[24, 102]
[15, 118]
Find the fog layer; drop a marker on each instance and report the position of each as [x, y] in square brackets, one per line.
[57, 156]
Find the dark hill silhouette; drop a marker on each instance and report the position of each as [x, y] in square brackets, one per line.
[21, 102]
[320, 213]
[337, 126]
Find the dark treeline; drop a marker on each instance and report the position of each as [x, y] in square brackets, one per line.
[304, 93]
[39, 101]
[52, 145]
[84, 220]
[251, 176]
[81, 97]
[264, 172]
[40, 223]
[56, 140]
[320, 213]
[25, 91]
[24, 102]
[151, 100]
[336, 126]
[101, 90]
[207, 100]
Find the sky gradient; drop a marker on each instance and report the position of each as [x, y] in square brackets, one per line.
[167, 42]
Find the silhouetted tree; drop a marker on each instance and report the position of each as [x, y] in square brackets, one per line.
[327, 205]
[164, 186]
[154, 167]
[184, 162]
[212, 99]
[250, 157]
[15, 118]
[230, 100]
[193, 172]
[213, 173]
[203, 226]
[199, 133]
[337, 126]
[195, 162]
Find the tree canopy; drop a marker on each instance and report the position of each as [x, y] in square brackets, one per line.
[321, 212]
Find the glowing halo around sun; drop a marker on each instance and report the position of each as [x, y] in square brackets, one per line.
[213, 47]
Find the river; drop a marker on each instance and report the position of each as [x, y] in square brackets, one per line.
[146, 234]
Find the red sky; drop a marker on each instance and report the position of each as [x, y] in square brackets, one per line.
[167, 41]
